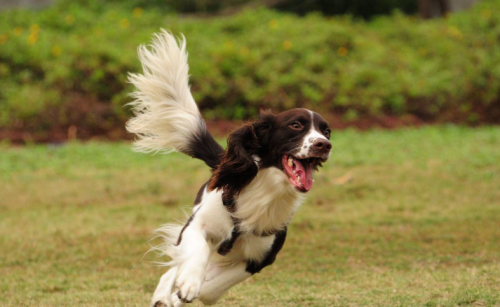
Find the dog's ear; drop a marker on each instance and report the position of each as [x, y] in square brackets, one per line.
[238, 166]
[264, 127]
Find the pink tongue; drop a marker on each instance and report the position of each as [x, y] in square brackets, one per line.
[305, 173]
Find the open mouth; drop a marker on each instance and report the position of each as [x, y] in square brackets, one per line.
[300, 171]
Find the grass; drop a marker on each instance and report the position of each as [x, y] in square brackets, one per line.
[416, 225]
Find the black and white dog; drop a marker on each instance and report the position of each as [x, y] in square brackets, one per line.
[240, 215]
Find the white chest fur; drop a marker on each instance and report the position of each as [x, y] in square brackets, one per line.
[267, 203]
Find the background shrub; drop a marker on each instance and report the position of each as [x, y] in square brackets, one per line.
[67, 65]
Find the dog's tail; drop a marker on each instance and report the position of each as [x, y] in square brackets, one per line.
[166, 116]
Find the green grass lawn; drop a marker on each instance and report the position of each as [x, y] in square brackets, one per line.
[396, 218]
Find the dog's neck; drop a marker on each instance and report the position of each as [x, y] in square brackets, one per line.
[268, 203]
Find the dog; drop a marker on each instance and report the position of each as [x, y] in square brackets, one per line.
[240, 215]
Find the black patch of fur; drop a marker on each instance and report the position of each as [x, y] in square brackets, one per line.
[255, 267]
[227, 245]
[179, 240]
[197, 201]
[230, 205]
[203, 146]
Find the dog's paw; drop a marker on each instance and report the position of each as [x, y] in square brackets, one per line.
[175, 302]
[159, 304]
[189, 284]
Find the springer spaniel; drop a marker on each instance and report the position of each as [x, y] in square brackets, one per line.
[240, 216]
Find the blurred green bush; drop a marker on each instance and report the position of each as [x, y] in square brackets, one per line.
[68, 64]
[361, 8]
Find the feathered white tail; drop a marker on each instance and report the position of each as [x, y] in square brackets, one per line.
[167, 116]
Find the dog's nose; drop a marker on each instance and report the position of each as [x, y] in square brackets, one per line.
[322, 145]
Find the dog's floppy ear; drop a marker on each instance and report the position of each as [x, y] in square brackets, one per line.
[238, 166]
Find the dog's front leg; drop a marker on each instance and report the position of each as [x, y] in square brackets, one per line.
[163, 293]
[195, 252]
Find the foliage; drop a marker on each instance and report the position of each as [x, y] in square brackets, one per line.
[327, 7]
[362, 8]
[68, 64]
[417, 224]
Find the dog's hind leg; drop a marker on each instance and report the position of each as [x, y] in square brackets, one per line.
[214, 288]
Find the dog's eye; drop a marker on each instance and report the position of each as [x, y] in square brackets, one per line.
[327, 133]
[296, 125]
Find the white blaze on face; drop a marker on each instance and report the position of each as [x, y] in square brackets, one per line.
[309, 140]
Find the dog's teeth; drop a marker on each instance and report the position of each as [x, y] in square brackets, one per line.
[290, 162]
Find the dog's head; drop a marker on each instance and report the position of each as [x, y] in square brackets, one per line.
[295, 141]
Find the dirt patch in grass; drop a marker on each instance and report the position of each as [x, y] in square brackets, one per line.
[100, 130]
